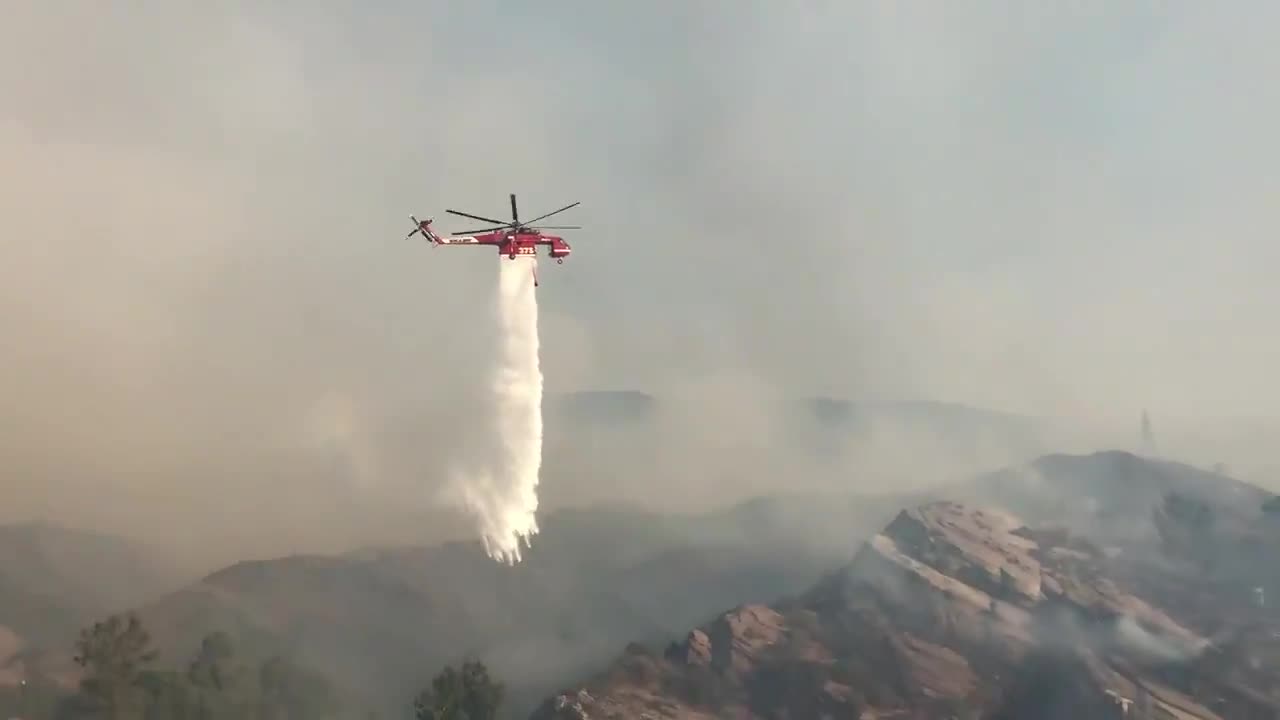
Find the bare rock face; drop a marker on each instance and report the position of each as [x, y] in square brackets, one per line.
[697, 649]
[950, 611]
[987, 563]
[978, 547]
[740, 639]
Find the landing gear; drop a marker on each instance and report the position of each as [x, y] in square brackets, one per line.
[559, 261]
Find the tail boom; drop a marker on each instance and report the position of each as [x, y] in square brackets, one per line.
[424, 227]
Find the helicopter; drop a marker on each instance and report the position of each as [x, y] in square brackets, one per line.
[513, 239]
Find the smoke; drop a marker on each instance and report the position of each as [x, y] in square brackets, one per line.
[502, 493]
[1130, 634]
[207, 312]
[1063, 629]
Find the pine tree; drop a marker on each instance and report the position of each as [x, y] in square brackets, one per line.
[114, 653]
[465, 694]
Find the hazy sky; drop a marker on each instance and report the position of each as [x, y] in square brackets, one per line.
[1065, 210]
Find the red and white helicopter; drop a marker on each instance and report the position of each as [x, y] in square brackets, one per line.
[513, 239]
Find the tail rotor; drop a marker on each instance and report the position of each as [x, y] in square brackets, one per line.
[417, 228]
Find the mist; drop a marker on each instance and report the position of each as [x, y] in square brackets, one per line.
[215, 337]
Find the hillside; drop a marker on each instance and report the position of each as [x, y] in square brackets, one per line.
[84, 569]
[1105, 491]
[381, 621]
[962, 611]
[594, 407]
[54, 580]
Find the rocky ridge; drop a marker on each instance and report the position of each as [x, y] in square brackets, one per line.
[955, 611]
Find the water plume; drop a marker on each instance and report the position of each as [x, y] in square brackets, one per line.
[502, 493]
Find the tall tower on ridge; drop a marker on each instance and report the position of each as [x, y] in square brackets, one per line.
[1148, 437]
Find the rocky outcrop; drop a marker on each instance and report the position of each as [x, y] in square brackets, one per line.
[740, 639]
[986, 560]
[950, 611]
[697, 649]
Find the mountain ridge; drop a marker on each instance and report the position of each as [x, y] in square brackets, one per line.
[601, 578]
[593, 580]
[970, 612]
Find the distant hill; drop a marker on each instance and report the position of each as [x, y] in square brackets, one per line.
[613, 407]
[83, 569]
[837, 412]
[965, 439]
[54, 580]
[1109, 494]
[643, 448]
[32, 619]
[959, 611]
[635, 408]
[379, 622]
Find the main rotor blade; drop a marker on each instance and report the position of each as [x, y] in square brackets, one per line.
[558, 227]
[544, 217]
[482, 230]
[474, 217]
[515, 218]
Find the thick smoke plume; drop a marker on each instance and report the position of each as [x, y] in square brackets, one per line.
[502, 493]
